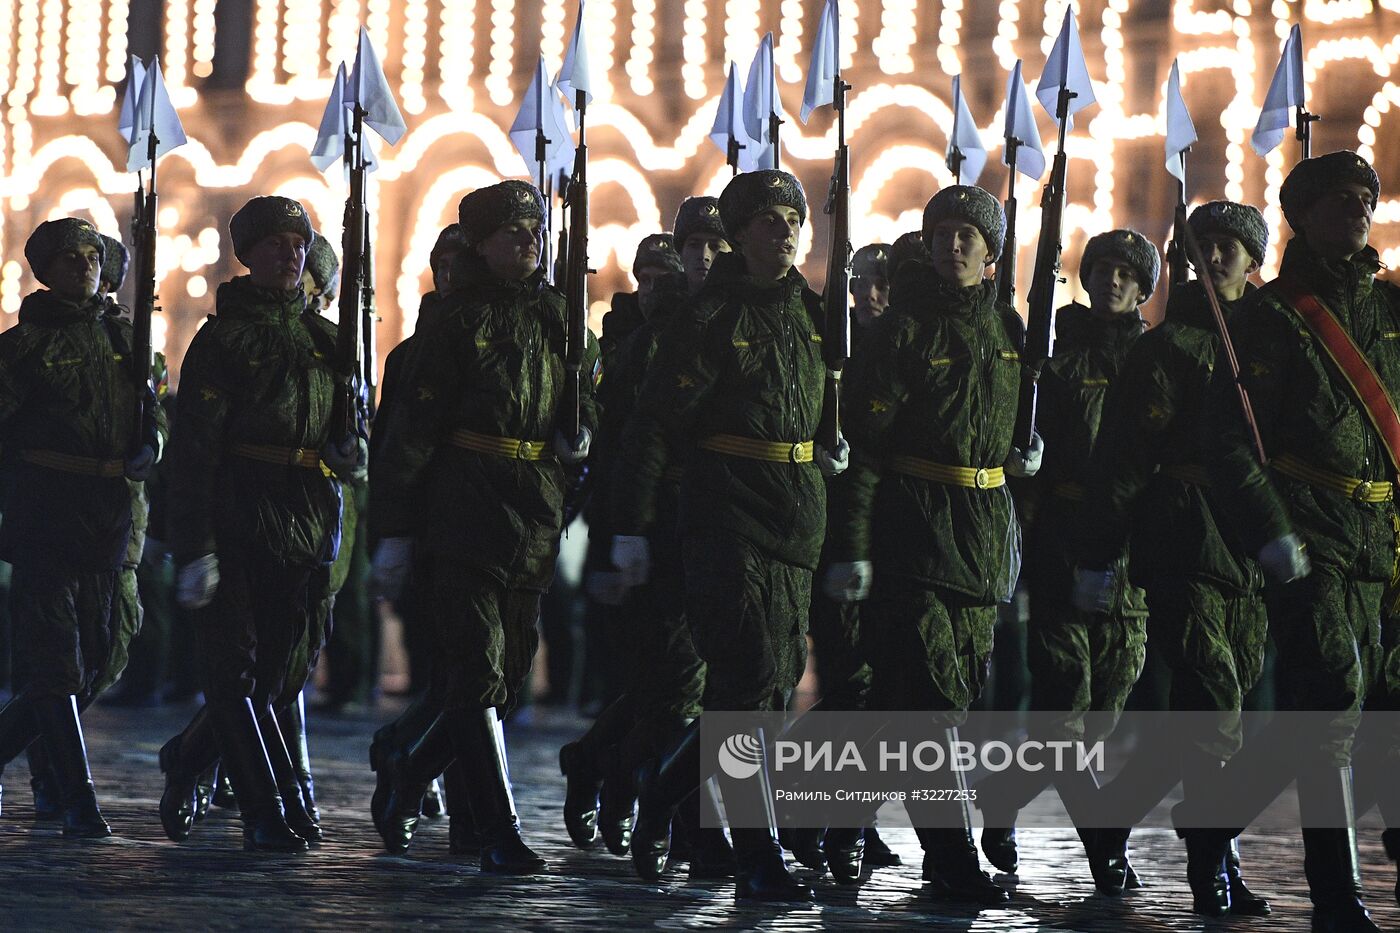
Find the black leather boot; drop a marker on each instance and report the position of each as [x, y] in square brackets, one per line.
[617, 811]
[805, 844]
[184, 759]
[1243, 902]
[406, 775]
[479, 744]
[877, 853]
[223, 796]
[1330, 858]
[661, 786]
[999, 846]
[1205, 871]
[62, 733]
[292, 723]
[204, 792]
[462, 838]
[711, 856]
[48, 802]
[845, 849]
[582, 784]
[18, 728]
[761, 874]
[432, 801]
[244, 756]
[951, 868]
[289, 785]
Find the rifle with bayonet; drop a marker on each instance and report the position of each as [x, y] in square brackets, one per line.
[836, 340]
[369, 375]
[576, 280]
[143, 305]
[349, 349]
[1006, 262]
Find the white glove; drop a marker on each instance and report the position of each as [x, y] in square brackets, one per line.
[605, 587]
[1023, 464]
[834, 463]
[1285, 559]
[389, 568]
[196, 582]
[575, 453]
[631, 555]
[1093, 589]
[348, 458]
[139, 466]
[848, 582]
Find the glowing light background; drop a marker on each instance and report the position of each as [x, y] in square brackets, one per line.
[659, 67]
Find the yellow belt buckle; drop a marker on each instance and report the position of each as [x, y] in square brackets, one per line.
[982, 479]
[522, 450]
[796, 453]
[295, 459]
[1362, 492]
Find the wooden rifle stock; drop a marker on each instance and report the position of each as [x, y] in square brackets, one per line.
[348, 348]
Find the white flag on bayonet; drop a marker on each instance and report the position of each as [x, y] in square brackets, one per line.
[760, 103]
[965, 140]
[1181, 132]
[1286, 93]
[826, 62]
[729, 119]
[153, 109]
[1020, 126]
[369, 88]
[1065, 68]
[573, 74]
[542, 111]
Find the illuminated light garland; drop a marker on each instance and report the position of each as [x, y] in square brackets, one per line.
[7, 12]
[87, 201]
[552, 31]
[174, 64]
[415, 47]
[203, 42]
[83, 58]
[49, 100]
[1050, 28]
[600, 25]
[377, 22]
[301, 32]
[458, 38]
[1004, 45]
[1189, 21]
[264, 73]
[850, 32]
[117, 13]
[643, 38]
[1382, 58]
[197, 286]
[27, 55]
[949, 27]
[694, 53]
[787, 55]
[898, 22]
[741, 34]
[502, 52]
[1328, 12]
[10, 296]
[343, 34]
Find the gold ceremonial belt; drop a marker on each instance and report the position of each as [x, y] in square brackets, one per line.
[1074, 492]
[969, 477]
[772, 451]
[1356, 489]
[1188, 473]
[509, 447]
[278, 456]
[69, 463]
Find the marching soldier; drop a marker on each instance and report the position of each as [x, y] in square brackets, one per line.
[1079, 662]
[740, 369]
[68, 413]
[473, 465]
[255, 522]
[930, 405]
[1204, 592]
[1317, 357]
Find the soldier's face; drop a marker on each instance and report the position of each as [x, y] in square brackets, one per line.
[1113, 288]
[959, 252]
[316, 300]
[769, 242]
[649, 280]
[277, 261]
[1339, 223]
[442, 271]
[698, 254]
[74, 273]
[1228, 263]
[513, 251]
[870, 296]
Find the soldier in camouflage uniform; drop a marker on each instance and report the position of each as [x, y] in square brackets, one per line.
[740, 372]
[1079, 662]
[255, 516]
[1326, 503]
[67, 416]
[930, 405]
[1204, 592]
[473, 464]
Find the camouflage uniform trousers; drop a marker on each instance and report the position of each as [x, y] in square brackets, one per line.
[487, 634]
[843, 675]
[64, 627]
[1083, 663]
[748, 617]
[128, 597]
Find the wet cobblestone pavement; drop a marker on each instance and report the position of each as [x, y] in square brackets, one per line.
[139, 880]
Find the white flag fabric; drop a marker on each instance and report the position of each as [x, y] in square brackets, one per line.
[136, 76]
[729, 119]
[330, 137]
[966, 139]
[153, 108]
[1181, 132]
[1065, 68]
[573, 74]
[542, 110]
[1286, 92]
[826, 62]
[760, 101]
[1020, 126]
[370, 89]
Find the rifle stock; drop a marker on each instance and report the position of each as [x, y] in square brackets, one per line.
[1006, 262]
[369, 372]
[836, 339]
[576, 286]
[143, 302]
[348, 348]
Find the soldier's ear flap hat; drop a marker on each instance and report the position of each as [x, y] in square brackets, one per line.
[657, 251]
[115, 261]
[749, 194]
[1312, 178]
[870, 261]
[1126, 246]
[322, 263]
[908, 246]
[55, 236]
[264, 217]
[450, 240]
[1240, 221]
[698, 215]
[969, 204]
[485, 210]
